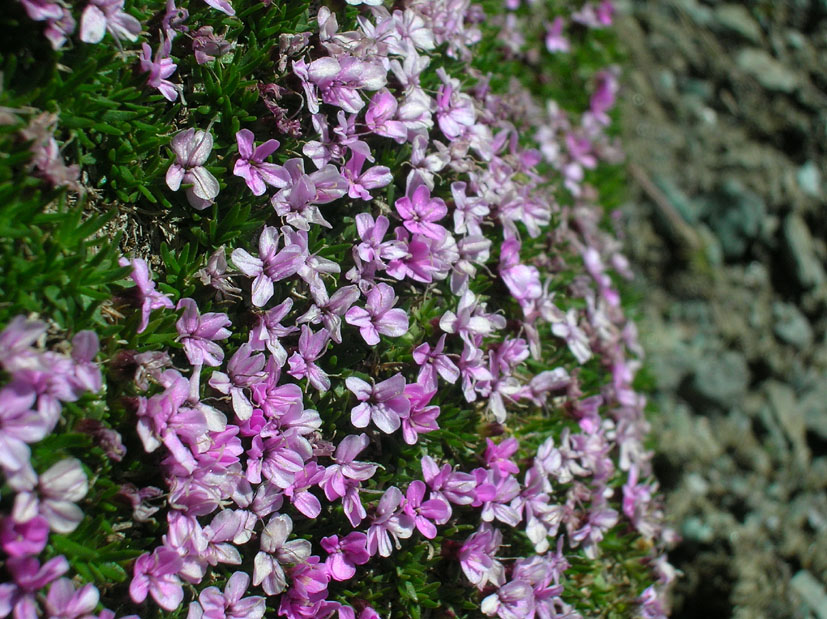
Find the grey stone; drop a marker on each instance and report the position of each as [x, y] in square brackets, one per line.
[722, 379]
[687, 209]
[798, 245]
[768, 71]
[791, 326]
[811, 592]
[789, 414]
[695, 528]
[735, 215]
[736, 18]
[699, 13]
[814, 406]
[809, 179]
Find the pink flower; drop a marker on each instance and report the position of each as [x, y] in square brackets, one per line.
[271, 266]
[275, 551]
[422, 418]
[514, 600]
[156, 574]
[577, 340]
[268, 329]
[476, 557]
[101, 16]
[555, 41]
[388, 522]
[251, 165]
[433, 362]
[147, 297]
[192, 149]
[245, 370]
[207, 46]
[345, 554]
[63, 602]
[373, 248]
[21, 539]
[160, 68]
[360, 183]
[378, 316]
[303, 363]
[198, 332]
[384, 403]
[60, 487]
[379, 117]
[420, 211]
[29, 577]
[213, 604]
[346, 467]
[422, 512]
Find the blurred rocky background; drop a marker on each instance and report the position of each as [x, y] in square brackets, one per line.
[726, 134]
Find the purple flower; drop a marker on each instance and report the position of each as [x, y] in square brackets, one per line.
[251, 165]
[498, 456]
[271, 266]
[378, 316]
[19, 425]
[192, 149]
[60, 487]
[514, 600]
[346, 467]
[21, 539]
[160, 68]
[422, 512]
[303, 363]
[215, 274]
[455, 110]
[275, 551]
[29, 577]
[476, 557]
[297, 201]
[63, 602]
[577, 340]
[101, 16]
[329, 310]
[339, 81]
[345, 554]
[555, 41]
[379, 117]
[433, 362]
[198, 332]
[245, 370]
[213, 604]
[299, 491]
[456, 487]
[359, 183]
[470, 319]
[268, 330]
[373, 248]
[208, 46]
[422, 418]
[420, 211]
[147, 297]
[222, 5]
[387, 522]
[384, 403]
[156, 574]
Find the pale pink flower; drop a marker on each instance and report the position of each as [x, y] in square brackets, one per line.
[101, 16]
[192, 149]
[383, 403]
[378, 316]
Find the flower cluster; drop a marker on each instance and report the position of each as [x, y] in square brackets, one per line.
[433, 268]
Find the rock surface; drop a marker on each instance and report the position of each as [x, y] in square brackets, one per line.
[726, 116]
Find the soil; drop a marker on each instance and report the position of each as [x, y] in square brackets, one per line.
[725, 110]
